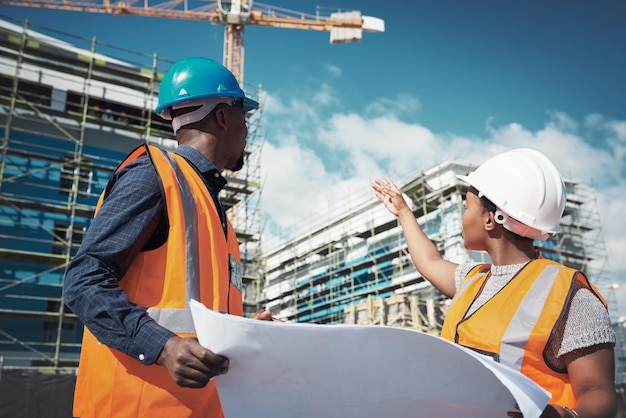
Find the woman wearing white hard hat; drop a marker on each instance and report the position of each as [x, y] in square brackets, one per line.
[533, 314]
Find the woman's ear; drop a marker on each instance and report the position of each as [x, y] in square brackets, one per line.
[489, 221]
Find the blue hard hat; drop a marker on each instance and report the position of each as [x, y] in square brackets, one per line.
[198, 78]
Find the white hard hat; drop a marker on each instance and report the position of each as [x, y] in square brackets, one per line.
[527, 190]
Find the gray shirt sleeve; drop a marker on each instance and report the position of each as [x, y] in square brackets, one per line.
[461, 271]
[587, 323]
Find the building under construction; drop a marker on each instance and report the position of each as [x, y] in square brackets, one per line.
[355, 267]
[70, 111]
[72, 108]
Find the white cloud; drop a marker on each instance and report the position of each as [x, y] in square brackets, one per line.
[384, 140]
[325, 96]
[312, 162]
[293, 181]
[402, 105]
[272, 104]
[612, 204]
[297, 187]
[332, 69]
[570, 153]
[619, 127]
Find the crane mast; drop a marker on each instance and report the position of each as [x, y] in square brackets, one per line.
[233, 50]
[233, 14]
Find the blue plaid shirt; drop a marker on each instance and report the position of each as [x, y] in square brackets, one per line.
[131, 219]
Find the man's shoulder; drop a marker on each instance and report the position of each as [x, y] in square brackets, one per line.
[138, 175]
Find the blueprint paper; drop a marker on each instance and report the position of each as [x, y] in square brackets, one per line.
[289, 370]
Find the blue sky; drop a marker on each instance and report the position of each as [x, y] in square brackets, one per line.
[447, 79]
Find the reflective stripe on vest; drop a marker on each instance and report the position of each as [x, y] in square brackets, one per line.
[178, 320]
[518, 332]
[465, 284]
[503, 325]
[109, 382]
[516, 324]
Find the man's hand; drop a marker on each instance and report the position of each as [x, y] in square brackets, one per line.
[263, 315]
[189, 364]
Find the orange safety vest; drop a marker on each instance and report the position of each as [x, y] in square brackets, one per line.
[514, 326]
[112, 384]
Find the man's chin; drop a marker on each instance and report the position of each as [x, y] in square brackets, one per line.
[239, 165]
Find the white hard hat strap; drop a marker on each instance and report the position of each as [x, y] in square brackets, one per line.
[206, 106]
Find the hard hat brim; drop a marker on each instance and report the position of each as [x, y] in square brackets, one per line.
[249, 104]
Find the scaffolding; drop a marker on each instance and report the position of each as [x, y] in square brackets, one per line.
[70, 110]
[327, 273]
[353, 267]
[342, 266]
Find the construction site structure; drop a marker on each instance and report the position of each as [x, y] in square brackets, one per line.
[70, 111]
[406, 311]
[234, 15]
[353, 266]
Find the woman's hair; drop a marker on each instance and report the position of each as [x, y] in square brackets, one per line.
[489, 206]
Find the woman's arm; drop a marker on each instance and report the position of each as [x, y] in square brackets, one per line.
[592, 375]
[424, 253]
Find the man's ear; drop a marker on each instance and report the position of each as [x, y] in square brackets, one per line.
[220, 117]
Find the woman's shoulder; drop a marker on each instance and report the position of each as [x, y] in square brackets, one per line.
[462, 270]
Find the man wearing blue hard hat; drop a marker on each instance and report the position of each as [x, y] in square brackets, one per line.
[160, 238]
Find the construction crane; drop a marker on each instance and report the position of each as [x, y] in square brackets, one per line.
[233, 14]
[344, 27]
